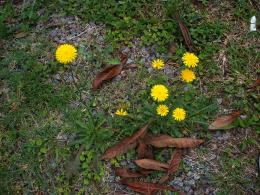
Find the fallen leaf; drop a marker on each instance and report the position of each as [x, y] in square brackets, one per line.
[255, 84]
[125, 144]
[146, 188]
[152, 164]
[175, 161]
[126, 173]
[185, 33]
[171, 48]
[162, 141]
[108, 73]
[223, 121]
[20, 35]
[144, 151]
[145, 172]
[174, 165]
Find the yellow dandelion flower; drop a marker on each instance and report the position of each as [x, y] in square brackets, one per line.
[159, 93]
[157, 63]
[121, 112]
[162, 110]
[190, 59]
[179, 114]
[187, 75]
[66, 53]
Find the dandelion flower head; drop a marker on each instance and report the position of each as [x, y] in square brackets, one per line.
[66, 53]
[121, 112]
[162, 110]
[187, 75]
[159, 93]
[179, 114]
[157, 63]
[190, 60]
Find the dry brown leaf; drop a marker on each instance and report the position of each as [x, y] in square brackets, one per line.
[145, 172]
[255, 84]
[108, 73]
[175, 162]
[162, 141]
[152, 164]
[171, 48]
[144, 151]
[185, 33]
[223, 121]
[126, 173]
[125, 144]
[146, 188]
[174, 165]
[20, 35]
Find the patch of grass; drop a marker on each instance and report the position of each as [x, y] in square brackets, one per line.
[232, 178]
[38, 122]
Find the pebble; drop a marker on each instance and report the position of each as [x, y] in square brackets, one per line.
[150, 70]
[211, 157]
[219, 100]
[126, 50]
[196, 177]
[118, 78]
[57, 77]
[123, 163]
[129, 61]
[189, 182]
[187, 188]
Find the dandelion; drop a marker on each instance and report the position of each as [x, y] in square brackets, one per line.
[66, 53]
[179, 114]
[187, 75]
[190, 59]
[157, 63]
[121, 112]
[162, 110]
[159, 93]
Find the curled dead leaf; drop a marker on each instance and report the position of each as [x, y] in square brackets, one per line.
[185, 34]
[146, 188]
[162, 141]
[144, 151]
[223, 121]
[125, 144]
[126, 173]
[108, 73]
[152, 164]
[172, 47]
[173, 165]
[255, 84]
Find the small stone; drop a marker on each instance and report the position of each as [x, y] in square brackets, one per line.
[129, 61]
[57, 77]
[243, 116]
[212, 157]
[126, 50]
[187, 188]
[196, 177]
[61, 136]
[150, 70]
[190, 191]
[219, 100]
[190, 182]
[189, 173]
[118, 78]
[226, 136]
[53, 33]
[69, 78]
